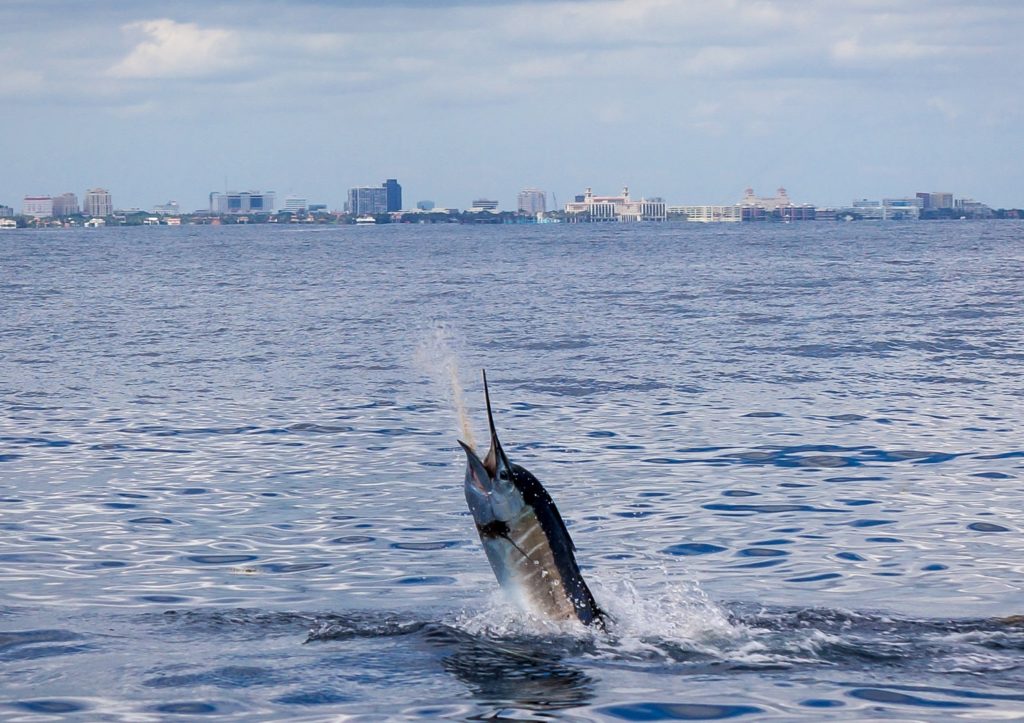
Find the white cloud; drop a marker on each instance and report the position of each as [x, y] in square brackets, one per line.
[945, 107]
[855, 51]
[177, 50]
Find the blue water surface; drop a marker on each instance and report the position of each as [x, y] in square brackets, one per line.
[790, 457]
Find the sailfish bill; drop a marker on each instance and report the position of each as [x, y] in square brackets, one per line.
[524, 536]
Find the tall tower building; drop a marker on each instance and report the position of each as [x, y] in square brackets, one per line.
[394, 195]
[66, 204]
[532, 201]
[368, 200]
[98, 203]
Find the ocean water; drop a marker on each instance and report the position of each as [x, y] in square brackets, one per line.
[790, 457]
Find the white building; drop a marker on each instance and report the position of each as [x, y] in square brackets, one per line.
[37, 206]
[171, 207]
[294, 204]
[888, 209]
[484, 204]
[98, 203]
[901, 208]
[532, 201]
[708, 214]
[232, 202]
[589, 207]
[972, 207]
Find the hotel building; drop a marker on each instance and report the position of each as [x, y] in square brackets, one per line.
[367, 200]
[778, 207]
[532, 201]
[373, 200]
[66, 204]
[936, 199]
[597, 209]
[98, 203]
[37, 206]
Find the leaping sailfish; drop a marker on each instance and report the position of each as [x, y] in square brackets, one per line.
[524, 537]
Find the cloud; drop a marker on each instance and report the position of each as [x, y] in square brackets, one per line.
[946, 108]
[177, 50]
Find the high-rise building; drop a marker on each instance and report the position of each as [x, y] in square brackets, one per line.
[484, 204]
[6, 211]
[232, 202]
[394, 195]
[425, 205]
[532, 201]
[367, 200]
[936, 199]
[294, 204]
[97, 203]
[37, 206]
[66, 204]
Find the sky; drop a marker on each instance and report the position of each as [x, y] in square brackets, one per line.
[692, 101]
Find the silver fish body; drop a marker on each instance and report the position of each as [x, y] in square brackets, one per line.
[524, 536]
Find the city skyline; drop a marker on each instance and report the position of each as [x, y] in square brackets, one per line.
[464, 100]
[387, 198]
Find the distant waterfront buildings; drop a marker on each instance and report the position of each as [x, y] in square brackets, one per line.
[375, 200]
[6, 211]
[901, 209]
[972, 208]
[768, 203]
[367, 200]
[171, 208]
[239, 202]
[425, 205]
[394, 195]
[532, 201]
[778, 207]
[708, 214]
[936, 200]
[64, 205]
[37, 206]
[888, 209]
[484, 204]
[594, 209]
[294, 204]
[98, 203]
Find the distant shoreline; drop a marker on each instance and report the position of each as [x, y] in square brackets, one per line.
[141, 219]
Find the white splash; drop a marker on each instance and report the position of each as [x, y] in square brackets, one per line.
[436, 356]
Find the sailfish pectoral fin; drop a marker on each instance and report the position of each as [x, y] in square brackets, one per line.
[517, 547]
